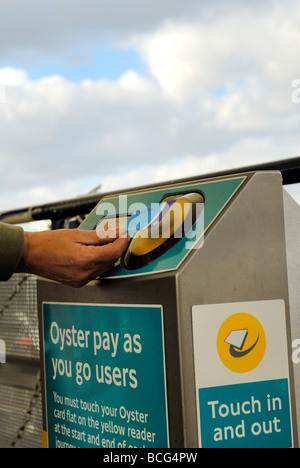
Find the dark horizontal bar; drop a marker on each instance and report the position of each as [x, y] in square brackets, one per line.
[289, 168]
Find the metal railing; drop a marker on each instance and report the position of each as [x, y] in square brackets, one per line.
[289, 168]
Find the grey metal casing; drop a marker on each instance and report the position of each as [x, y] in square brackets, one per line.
[292, 230]
[243, 259]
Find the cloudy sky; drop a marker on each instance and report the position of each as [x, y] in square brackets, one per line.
[130, 92]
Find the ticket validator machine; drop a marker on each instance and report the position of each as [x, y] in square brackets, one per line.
[186, 342]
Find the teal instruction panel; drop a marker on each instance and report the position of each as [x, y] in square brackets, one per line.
[247, 415]
[217, 194]
[105, 376]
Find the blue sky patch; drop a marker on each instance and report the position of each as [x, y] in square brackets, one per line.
[99, 62]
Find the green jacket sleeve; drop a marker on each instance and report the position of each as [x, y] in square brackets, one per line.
[11, 247]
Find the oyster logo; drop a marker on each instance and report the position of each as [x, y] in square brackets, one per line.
[241, 343]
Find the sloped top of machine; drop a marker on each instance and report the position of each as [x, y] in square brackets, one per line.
[167, 222]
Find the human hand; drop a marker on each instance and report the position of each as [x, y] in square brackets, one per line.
[71, 257]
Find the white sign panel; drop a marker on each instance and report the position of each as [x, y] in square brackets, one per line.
[242, 375]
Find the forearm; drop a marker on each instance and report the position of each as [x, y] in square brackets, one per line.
[11, 248]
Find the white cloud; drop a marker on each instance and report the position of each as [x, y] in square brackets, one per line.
[193, 58]
[248, 152]
[55, 27]
[218, 95]
[12, 77]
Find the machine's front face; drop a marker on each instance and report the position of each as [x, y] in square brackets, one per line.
[185, 327]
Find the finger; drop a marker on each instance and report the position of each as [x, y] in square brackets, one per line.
[110, 252]
[92, 237]
[111, 233]
[105, 234]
